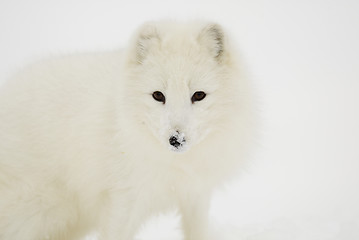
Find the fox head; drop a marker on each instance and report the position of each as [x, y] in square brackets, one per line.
[180, 81]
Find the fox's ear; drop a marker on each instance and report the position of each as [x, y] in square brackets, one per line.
[147, 40]
[212, 38]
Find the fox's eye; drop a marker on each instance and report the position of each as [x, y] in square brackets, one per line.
[158, 96]
[198, 96]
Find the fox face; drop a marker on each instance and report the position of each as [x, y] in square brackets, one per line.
[180, 80]
[179, 108]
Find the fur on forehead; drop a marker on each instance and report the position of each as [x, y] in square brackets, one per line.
[180, 38]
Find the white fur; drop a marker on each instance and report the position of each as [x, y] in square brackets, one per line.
[83, 145]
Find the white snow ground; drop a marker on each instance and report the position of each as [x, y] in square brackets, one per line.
[306, 228]
[303, 183]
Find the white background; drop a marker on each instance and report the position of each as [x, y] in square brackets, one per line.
[303, 57]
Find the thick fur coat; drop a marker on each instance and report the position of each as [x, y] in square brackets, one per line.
[85, 144]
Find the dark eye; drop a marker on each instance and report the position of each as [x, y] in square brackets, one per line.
[158, 96]
[198, 96]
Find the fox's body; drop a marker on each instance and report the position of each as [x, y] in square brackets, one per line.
[86, 145]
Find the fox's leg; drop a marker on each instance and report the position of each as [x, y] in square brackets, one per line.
[121, 220]
[194, 211]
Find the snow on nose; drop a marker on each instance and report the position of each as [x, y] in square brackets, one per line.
[177, 141]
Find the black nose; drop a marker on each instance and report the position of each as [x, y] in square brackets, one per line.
[174, 141]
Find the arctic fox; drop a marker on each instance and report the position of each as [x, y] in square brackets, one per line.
[103, 141]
